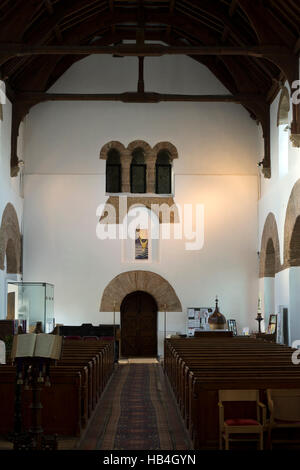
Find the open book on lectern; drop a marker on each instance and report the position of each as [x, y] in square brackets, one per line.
[37, 345]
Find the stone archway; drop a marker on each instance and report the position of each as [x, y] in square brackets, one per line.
[283, 107]
[145, 281]
[291, 228]
[10, 240]
[269, 263]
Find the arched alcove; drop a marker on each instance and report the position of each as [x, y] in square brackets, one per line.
[269, 264]
[269, 251]
[292, 259]
[283, 132]
[270, 259]
[145, 281]
[10, 241]
[294, 248]
[291, 227]
[283, 107]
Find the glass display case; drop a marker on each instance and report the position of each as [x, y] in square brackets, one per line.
[33, 302]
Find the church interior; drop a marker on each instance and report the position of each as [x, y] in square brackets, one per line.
[149, 224]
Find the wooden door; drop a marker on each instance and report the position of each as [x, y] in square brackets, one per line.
[139, 325]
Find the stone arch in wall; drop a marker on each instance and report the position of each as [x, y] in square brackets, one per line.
[10, 241]
[294, 248]
[292, 229]
[283, 107]
[146, 281]
[270, 251]
[166, 146]
[135, 144]
[113, 144]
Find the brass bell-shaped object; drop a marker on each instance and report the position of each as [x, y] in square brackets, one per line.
[216, 320]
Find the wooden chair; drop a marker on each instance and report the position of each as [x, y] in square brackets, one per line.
[73, 337]
[284, 408]
[238, 426]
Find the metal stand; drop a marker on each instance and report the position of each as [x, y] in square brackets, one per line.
[32, 372]
[259, 319]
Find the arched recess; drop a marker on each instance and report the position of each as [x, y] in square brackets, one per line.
[292, 258]
[291, 227]
[145, 281]
[294, 280]
[283, 107]
[269, 252]
[10, 241]
[283, 132]
[269, 265]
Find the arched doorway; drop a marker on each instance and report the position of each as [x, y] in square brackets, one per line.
[139, 325]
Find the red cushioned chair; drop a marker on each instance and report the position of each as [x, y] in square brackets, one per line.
[254, 427]
[93, 338]
[284, 408]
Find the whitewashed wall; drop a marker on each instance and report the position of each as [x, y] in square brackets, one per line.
[9, 187]
[219, 147]
[275, 194]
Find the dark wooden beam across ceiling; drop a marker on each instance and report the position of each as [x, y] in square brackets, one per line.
[145, 50]
[251, 46]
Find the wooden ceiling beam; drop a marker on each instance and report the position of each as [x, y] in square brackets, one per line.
[220, 14]
[36, 97]
[21, 50]
[268, 28]
[41, 31]
[49, 6]
[13, 26]
[233, 7]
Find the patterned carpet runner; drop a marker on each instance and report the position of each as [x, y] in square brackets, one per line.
[136, 412]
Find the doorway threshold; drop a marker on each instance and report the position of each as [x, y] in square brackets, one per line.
[138, 360]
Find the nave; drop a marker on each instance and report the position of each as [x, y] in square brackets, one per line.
[136, 412]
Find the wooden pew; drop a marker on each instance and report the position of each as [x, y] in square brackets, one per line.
[198, 368]
[61, 413]
[77, 381]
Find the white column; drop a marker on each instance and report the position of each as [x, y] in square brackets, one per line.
[269, 298]
[294, 310]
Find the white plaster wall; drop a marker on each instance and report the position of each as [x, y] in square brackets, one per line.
[275, 194]
[218, 145]
[9, 188]
[61, 247]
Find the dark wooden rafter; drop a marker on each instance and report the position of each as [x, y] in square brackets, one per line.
[14, 25]
[150, 50]
[277, 33]
[251, 46]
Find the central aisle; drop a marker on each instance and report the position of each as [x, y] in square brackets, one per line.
[136, 412]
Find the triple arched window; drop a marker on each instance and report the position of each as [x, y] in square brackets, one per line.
[139, 169]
